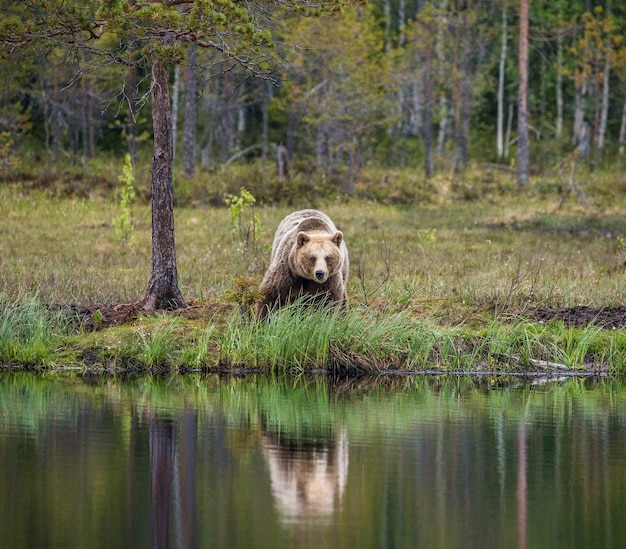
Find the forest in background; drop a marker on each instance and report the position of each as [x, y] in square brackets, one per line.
[390, 83]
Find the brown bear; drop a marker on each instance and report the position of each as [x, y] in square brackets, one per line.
[309, 257]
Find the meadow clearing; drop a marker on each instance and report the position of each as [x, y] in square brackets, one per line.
[471, 275]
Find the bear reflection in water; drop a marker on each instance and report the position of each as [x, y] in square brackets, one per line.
[308, 478]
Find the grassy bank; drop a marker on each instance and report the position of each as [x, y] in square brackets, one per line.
[452, 282]
[298, 340]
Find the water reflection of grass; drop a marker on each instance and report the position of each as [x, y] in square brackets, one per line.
[305, 406]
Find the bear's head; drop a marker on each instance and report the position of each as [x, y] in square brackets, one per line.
[318, 255]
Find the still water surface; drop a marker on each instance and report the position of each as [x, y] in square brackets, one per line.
[216, 462]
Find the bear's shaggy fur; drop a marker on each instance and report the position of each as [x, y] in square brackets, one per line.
[309, 257]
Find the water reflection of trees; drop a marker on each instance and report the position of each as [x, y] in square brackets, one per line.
[173, 451]
[162, 451]
[451, 460]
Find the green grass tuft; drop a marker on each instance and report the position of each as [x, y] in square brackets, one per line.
[30, 334]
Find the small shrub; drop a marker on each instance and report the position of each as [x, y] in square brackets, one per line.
[245, 292]
[124, 223]
[246, 224]
[8, 160]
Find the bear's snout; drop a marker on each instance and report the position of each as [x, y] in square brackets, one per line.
[320, 275]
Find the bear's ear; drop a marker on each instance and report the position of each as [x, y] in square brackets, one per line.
[337, 238]
[302, 239]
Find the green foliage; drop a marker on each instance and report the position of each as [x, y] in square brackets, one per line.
[246, 224]
[244, 292]
[97, 318]
[243, 219]
[8, 160]
[124, 223]
[342, 86]
[354, 93]
[427, 236]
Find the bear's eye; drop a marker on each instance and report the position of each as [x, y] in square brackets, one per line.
[313, 260]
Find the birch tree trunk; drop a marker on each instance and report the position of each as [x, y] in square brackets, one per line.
[622, 130]
[240, 127]
[507, 137]
[522, 112]
[443, 123]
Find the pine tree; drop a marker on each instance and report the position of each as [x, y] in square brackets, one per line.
[152, 34]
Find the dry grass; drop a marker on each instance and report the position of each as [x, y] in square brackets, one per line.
[454, 261]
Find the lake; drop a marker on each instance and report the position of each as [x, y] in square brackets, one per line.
[189, 461]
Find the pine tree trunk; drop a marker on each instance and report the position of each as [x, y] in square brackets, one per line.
[604, 109]
[175, 93]
[501, 70]
[522, 112]
[463, 96]
[559, 88]
[604, 113]
[282, 162]
[163, 292]
[56, 123]
[131, 129]
[189, 131]
[443, 100]
[319, 148]
[292, 126]
[461, 155]
[580, 106]
[428, 115]
[265, 120]
[387, 12]
[401, 23]
[84, 123]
